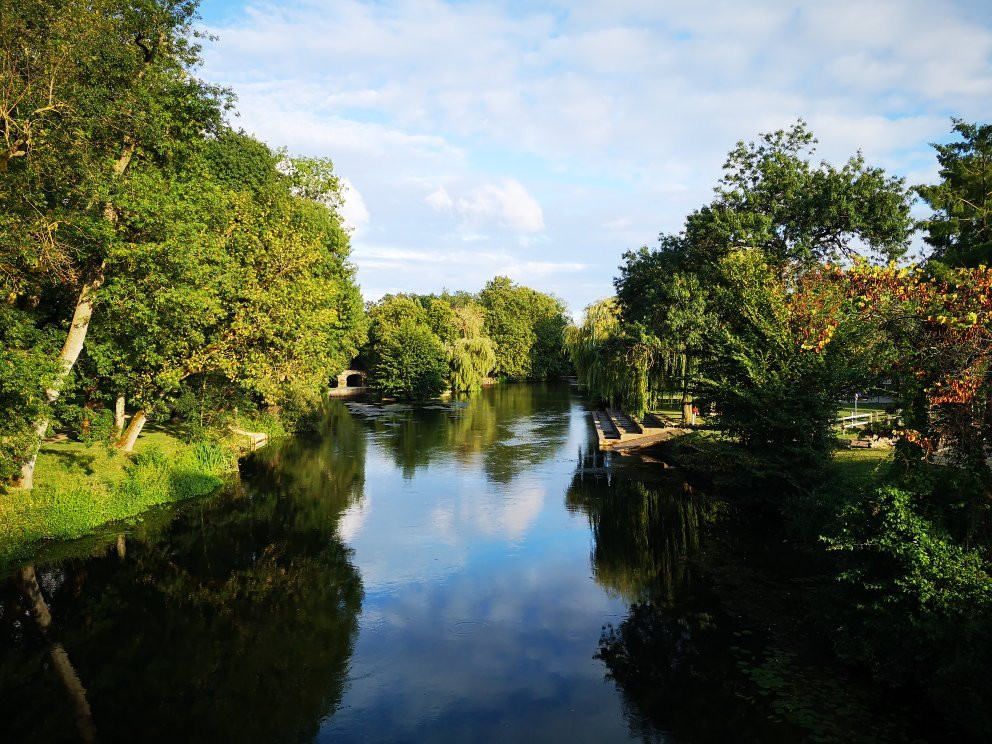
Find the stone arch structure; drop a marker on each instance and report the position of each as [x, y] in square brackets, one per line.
[351, 378]
[351, 383]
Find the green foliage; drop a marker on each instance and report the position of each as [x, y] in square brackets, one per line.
[236, 161]
[617, 365]
[530, 324]
[960, 231]
[87, 87]
[27, 364]
[670, 308]
[95, 426]
[772, 389]
[772, 198]
[472, 353]
[471, 360]
[527, 329]
[440, 319]
[407, 359]
[251, 285]
[921, 603]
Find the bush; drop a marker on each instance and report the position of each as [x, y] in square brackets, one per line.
[918, 604]
[410, 363]
[95, 427]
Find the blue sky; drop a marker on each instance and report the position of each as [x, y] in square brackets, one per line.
[542, 140]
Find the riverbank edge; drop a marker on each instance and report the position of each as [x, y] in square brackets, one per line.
[83, 490]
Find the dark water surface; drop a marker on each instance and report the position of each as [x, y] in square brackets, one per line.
[470, 571]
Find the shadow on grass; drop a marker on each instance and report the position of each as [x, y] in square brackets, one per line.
[73, 459]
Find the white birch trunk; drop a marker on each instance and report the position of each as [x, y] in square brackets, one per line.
[119, 417]
[67, 357]
[126, 442]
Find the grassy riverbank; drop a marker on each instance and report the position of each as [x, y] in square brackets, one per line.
[81, 487]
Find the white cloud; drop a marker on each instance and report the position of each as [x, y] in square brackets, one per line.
[440, 200]
[353, 211]
[510, 205]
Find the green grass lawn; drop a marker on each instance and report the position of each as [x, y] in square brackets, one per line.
[848, 408]
[671, 412]
[80, 487]
[860, 469]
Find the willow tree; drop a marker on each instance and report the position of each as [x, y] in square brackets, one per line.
[667, 305]
[472, 352]
[586, 346]
[617, 364]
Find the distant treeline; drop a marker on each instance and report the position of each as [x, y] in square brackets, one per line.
[421, 345]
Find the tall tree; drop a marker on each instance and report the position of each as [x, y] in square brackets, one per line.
[669, 305]
[773, 198]
[960, 230]
[242, 279]
[86, 88]
[527, 328]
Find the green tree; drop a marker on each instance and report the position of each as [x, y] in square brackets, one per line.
[612, 362]
[253, 284]
[781, 356]
[472, 352]
[671, 306]
[960, 230]
[86, 89]
[407, 359]
[772, 197]
[527, 329]
[27, 366]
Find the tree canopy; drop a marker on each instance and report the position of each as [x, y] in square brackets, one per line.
[157, 243]
[960, 230]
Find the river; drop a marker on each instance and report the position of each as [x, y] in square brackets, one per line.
[472, 570]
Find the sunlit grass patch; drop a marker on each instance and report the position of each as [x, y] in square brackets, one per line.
[79, 487]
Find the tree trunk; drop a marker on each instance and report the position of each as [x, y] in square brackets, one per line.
[126, 442]
[119, 416]
[70, 353]
[84, 305]
[60, 659]
[686, 401]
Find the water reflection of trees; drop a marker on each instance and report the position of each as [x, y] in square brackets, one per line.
[510, 427]
[233, 623]
[663, 656]
[644, 534]
[686, 648]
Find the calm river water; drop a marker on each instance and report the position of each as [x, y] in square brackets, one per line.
[466, 571]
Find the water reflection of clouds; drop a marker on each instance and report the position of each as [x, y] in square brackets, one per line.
[351, 521]
[479, 620]
[485, 654]
[437, 519]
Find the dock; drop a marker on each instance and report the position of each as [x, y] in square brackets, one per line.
[619, 432]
